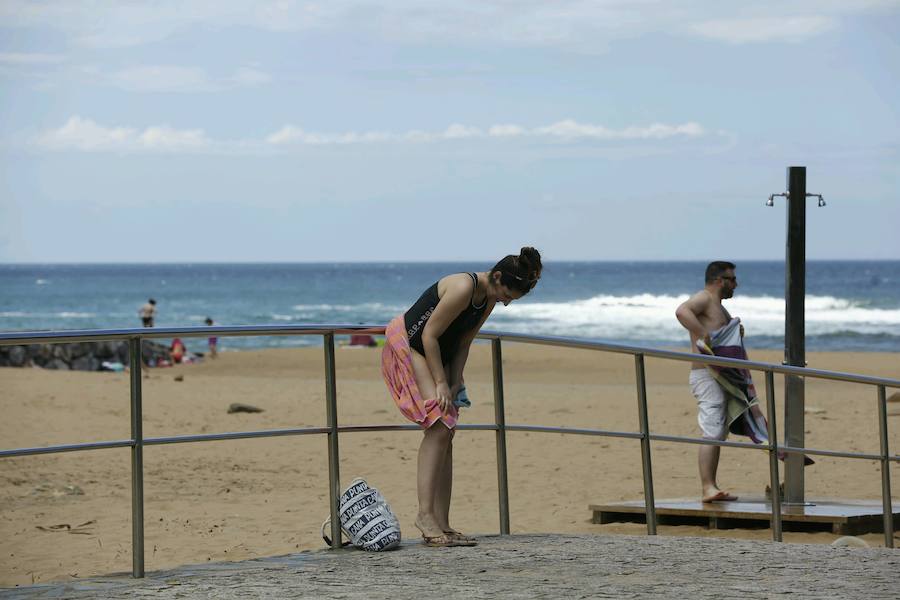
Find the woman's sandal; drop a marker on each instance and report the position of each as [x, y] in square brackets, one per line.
[440, 541]
[461, 538]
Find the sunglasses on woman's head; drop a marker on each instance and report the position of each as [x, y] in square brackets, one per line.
[531, 282]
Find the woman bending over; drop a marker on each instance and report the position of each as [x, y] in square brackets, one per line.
[422, 364]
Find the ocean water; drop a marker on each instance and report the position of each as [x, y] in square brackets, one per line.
[849, 305]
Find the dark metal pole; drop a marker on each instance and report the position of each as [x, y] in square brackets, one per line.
[794, 332]
[137, 459]
[500, 419]
[886, 504]
[646, 466]
[773, 457]
[334, 461]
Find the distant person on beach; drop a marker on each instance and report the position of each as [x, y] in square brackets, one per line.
[702, 314]
[212, 341]
[147, 312]
[177, 351]
[362, 339]
[422, 364]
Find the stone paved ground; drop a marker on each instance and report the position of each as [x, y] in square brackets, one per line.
[525, 566]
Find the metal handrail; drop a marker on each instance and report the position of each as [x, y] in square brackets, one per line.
[17, 338]
[333, 430]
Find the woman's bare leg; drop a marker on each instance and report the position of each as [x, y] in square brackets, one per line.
[429, 475]
[444, 489]
[432, 456]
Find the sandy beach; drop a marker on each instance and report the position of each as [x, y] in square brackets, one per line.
[233, 500]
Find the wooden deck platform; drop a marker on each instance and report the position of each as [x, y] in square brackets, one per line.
[844, 517]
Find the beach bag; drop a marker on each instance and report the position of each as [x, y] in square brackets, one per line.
[366, 518]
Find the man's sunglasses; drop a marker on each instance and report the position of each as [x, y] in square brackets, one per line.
[731, 279]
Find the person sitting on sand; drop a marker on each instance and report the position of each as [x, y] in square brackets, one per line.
[177, 351]
[702, 314]
[422, 364]
[362, 339]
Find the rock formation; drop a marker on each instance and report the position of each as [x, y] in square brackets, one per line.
[78, 356]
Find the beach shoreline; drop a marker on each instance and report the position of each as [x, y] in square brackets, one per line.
[231, 500]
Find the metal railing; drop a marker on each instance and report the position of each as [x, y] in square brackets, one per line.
[332, 430]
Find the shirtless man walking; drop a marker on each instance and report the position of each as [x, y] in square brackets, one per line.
[147, 312]
[702, 314]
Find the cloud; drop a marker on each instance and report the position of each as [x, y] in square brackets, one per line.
[88, 136]
[461, 132]
[566, 131]
[743, 31]
[178, 79]
[290, 134]
[166, 139]
[26, 58]
[84, 134]
[118, 24]
[506, 130]
[573, 24]
[569, 129]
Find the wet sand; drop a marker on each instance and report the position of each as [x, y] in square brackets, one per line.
[241, 499]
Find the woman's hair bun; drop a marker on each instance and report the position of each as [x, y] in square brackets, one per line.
[530, 261]
[520, 272]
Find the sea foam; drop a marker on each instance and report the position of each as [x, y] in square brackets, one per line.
[652, 317]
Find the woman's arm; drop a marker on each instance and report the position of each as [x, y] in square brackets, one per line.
[457, 289]
[458, 364]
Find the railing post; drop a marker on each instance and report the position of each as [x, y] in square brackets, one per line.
[334, 475]
[773, 457]
[500, 420]
[649, 502]
[885, 470]
[137, 459]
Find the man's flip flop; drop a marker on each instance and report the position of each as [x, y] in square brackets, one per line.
[720, 496]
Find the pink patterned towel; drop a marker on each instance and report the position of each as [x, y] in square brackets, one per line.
[397, 370]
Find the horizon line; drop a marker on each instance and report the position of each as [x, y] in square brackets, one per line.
[407, 261]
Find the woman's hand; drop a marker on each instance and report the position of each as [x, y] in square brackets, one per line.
[443, 396]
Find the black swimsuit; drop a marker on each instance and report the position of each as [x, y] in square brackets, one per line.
[417, 316]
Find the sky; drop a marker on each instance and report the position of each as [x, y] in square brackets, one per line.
[357, 130]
